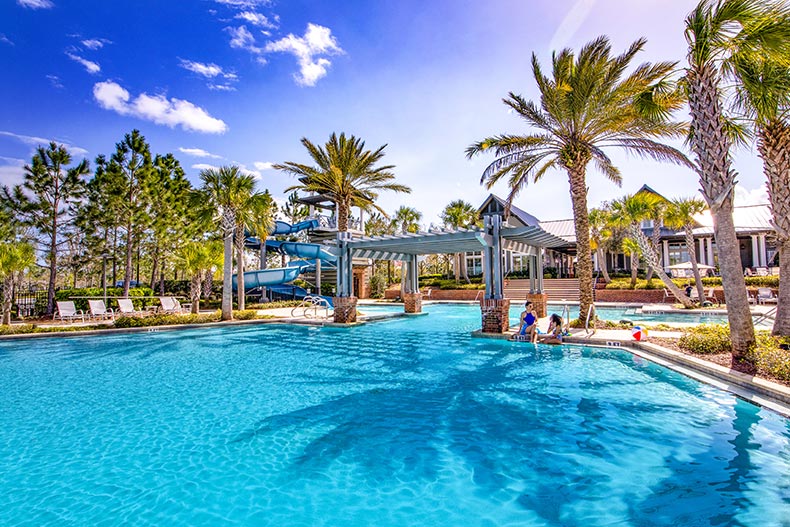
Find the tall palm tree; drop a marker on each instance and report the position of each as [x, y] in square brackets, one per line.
[459, 214]
[680, 215]
[631, 247]
[407, 219]
[656, 215]
[224, 189]
[15, 258]
[764, 95]
[254, 214]
[599, 232]
[627, 213]
[195, 258]
[344, 172]
[588, 104]
[717, 32]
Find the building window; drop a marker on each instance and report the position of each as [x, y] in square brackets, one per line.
[678, 253]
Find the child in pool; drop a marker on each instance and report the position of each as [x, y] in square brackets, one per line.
[554, 334]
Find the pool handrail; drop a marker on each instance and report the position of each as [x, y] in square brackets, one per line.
[566, 318]
[765, 316]
[313, 303]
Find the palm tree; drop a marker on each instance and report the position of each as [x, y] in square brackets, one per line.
[627, 213]
[344, 172]
[195, 259]
[764, 95]
[407, 219]
[718, 32]
[459, 214]
[254, 214]
[224, 189]
[599, 232]
[680, 215]
[15, 258]
[587, 105]
[656, 215]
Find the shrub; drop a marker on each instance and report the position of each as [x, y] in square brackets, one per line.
[98, 292]
[378, 284]
[274, 305]
[707, 339]
[625, 283]
[769, 358]
[751, 281]
[247, 314]
[165, 320]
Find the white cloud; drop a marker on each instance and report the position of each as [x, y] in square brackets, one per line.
[243, 4]
[90, 66]
[745, 197]
[206, 70]
[221, 87]
[244, 170]
[12, 171]
[317, 40]
[256, 19]
[157, 108]
[204, 166]
[263, 165]
[5, 40]
[241, 38]
[198, 152]
[55, 81]
[95, 43]
[36, 4]
[40, 141]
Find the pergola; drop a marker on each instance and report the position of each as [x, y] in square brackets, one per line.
[493, 238]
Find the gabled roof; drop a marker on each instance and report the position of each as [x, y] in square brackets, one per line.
[750, 218]
[564, 229]
[648, 190]
[518, 217]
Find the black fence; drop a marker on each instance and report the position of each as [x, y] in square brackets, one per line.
[29, 304]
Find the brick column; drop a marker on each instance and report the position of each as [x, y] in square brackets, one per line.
[412, 302]
[539, 301]
[345, 309]
[495, 315]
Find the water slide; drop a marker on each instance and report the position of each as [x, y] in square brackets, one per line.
[280, 275]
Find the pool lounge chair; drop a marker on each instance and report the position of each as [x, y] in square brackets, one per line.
[68, 311]
[709, 296]
[126, 308]
[100, 311]
[170, 304]
[765, 295]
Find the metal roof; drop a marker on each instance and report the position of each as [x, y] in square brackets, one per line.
[564, 229]
[747, 219]
[447, 241]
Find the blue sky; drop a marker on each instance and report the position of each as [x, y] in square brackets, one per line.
[241, 81]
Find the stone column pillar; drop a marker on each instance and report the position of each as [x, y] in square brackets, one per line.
[709, 245]
[700, 249]
[665, 247]
[412, 302]
[755, 252]
[495, 312]
[763, 252]
[540, 302]
[345, 309]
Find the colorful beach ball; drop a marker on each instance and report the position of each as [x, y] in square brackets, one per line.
[638, 333]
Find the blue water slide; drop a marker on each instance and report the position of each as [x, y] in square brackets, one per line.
[267, 277]
[303, 250]
[283, 228]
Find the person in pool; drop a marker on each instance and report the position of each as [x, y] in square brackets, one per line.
[529, 323]
[554, 334]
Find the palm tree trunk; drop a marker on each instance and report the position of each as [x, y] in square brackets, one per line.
[194, 293]
[53, 261]
[8, 298]
[693, 258]
[127, 273]
[774, 147]
[342, 216]
[603, 266]
[634, 268]
[241, 292]
[711, 146]
[578, 188]
[655, 239]
[457, 267]
[652, 260]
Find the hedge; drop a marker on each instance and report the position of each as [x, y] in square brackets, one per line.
[98, 292]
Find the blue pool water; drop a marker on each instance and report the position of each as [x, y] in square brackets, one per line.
[403, 422]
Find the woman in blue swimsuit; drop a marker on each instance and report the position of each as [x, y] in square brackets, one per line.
[528, 323]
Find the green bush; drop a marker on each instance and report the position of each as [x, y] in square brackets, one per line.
[247, 314]
[707, 339]
[751, 281]
[165, 320]
[274, 305]
[655, 283]
[769, 358]
[378, 284]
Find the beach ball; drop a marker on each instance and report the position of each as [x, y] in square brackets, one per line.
[638, 333]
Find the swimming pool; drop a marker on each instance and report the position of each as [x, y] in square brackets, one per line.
[404, 422]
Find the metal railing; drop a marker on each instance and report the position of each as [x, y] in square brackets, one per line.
[590, 316]
[310, 307]
[330, 222]
[771, 313]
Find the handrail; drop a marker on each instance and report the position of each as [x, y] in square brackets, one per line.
[768, 314]
[566, 318]
[477, 296]
[590, 311]
[313, 303]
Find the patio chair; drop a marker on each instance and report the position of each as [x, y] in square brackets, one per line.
[765, 295]
[761, 271]
[68, 311]
[709, 296]
[170, 304]
[100, 311]
[126, 308]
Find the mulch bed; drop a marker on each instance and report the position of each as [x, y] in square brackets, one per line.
[722, 359]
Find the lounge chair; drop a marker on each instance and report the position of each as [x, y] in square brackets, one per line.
[126, 308]
[170, 304]
[761, 271]
[100, 311]
[709, 296]
[68, 311]
[765, 295]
